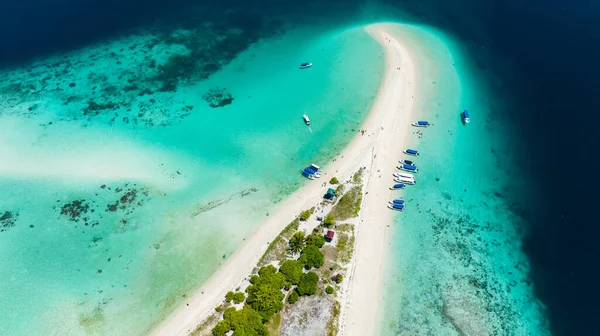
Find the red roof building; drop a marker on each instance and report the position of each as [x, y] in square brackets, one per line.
[329, 235]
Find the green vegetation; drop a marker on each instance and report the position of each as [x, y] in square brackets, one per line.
[308, 284]
[292, 270]
[329, 290]
[276, 249]
[311, 257]
[349, 204]
[273, 325]
[297, 242]
[345, 247]
[334, 180]
[293, 297]
[339, 191]
[332, 325]
[338, 278]
[305, 215]
[264, 294]
[329, 220]
[239, 297]
[315, 239]
[229, 296]
[245, 321]
[357, 177]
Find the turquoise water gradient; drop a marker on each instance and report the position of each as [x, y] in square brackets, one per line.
[456, 266]
[203, 183]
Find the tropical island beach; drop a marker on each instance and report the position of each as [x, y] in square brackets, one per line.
[377, 149]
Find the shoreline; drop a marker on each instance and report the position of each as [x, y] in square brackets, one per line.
[384, 125]
[361, 297]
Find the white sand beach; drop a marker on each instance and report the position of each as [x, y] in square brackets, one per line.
[379, 150]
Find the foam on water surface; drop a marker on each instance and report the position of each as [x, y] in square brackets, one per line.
[120, 210]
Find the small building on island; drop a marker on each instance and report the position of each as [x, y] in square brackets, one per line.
[330, 195]
[329, 235]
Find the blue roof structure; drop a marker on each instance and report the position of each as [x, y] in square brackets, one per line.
[405, 166]
[412, 151]
[398, 206]
[307, 172]
[423, 122]
[311, 169]
[398, 201]
[399, 186]
[305, 64]
[466, 113]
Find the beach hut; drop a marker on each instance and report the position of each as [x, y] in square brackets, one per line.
[329, 235]
[330, 195]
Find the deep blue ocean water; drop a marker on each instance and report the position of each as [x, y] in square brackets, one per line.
[545, 54]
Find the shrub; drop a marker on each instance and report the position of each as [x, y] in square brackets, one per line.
[305, 215]
[348, 205]
[329, 290]
[229, 296]
[288, 286]
[292, 269]
[297, 242]
[339, 190]
[219, 308]
[239, 297]
[308, 284]
[311, 257]
[338, 278]
[334, 180]
[315, 239]
[268, 275]
[328, 221]
[293, 297]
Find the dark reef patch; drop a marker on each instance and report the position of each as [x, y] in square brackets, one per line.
[218, 97]
[8, 220]
[75, 210]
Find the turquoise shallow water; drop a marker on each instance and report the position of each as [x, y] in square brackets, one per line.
[455, 265]
[117, 219]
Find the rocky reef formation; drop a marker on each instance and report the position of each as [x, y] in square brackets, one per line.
[218, 97]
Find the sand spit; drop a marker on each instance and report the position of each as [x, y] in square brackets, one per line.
[380, 146]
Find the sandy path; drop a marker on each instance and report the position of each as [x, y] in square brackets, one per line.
[379, 148]
[360, 300]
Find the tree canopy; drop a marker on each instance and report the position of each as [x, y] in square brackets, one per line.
[315, 239]
[311, 257]
[245, 321]
[266, 299]
[308, 284]
[292, 269]
[297, 242]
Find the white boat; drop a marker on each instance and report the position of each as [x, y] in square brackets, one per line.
[421, 123]
[305, 65]
[405, 180]
[404, 175]
[405, 167]
[397, 207]
[306, 120]
[397, 186]
[408, 162]
[315, 167]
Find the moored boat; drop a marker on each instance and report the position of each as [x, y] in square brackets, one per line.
[313, 171]
[409, 168]
[411, 152]
[305, 65]
[397, 207]
[306, 120]
[404, 175]
[397, 201]
[405, 180]
[398, 186]
[408, 162]
[308, 174]
[315, 167]
[465, 116]
[421, 123]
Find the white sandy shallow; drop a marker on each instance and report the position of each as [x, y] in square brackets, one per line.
[379, 150]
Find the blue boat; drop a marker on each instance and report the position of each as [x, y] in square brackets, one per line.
[397, 207]
[397, 201]
[398, 186]
[305, 65]
[411, 152]
[465, 116]
[308, 174]
[409, 168]
[313, 171]
[421, 123]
